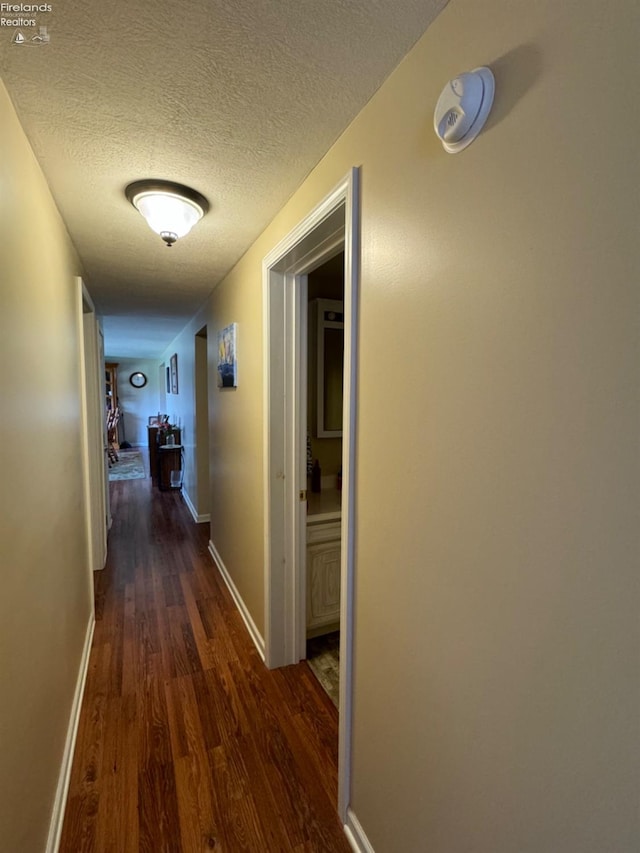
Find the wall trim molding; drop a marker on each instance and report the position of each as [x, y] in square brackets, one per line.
[256, 636]
[60, 802]
[198, 517]
[356, 835]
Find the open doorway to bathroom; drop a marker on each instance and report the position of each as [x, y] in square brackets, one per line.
[325, 368]
[332, 226]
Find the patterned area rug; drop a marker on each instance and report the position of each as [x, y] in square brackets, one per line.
[129, 466]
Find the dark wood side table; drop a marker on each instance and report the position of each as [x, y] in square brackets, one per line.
[170, 457]
[154, 457]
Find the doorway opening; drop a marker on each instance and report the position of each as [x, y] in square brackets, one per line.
[324, 415]
[331, 227]
[201, 512]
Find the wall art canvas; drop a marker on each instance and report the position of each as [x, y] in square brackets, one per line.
[227, 357]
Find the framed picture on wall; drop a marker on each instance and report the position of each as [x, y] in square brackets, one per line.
[174, 373]
[227, 357]
[168, 380]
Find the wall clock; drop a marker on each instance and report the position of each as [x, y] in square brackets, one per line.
[138, 380]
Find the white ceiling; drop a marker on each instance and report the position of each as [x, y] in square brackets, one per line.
[238, 99]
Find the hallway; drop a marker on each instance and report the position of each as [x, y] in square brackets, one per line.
[186, 741]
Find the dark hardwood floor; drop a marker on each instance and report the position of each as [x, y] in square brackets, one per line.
[186, 741]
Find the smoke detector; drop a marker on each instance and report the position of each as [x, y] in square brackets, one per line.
[463, 108]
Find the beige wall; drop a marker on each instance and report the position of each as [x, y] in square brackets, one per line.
[136, 404]
[497, 620]
[46, 597]
[237, 481]
[181, 406]
[496, 638]
[235, 432]
[202, 391]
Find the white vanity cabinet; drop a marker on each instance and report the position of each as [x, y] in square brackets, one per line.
[323, 576]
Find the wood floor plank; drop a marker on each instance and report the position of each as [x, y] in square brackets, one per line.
[241, 825]
[154, 742]
[88, 763]
[79, 832]
[187, 737]
[159, 823]
[186, 742]
[129, 648]
[206, 711]
[172, 590]
[199, 828]
[117, 823]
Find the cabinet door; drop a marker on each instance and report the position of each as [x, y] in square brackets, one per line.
[323, 584]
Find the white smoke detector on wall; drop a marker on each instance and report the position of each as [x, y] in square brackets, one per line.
[463, 108]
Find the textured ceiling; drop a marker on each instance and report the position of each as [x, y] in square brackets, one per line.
[239, 99]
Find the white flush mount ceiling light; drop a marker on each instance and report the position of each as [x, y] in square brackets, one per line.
[463, 108]
[171, 210]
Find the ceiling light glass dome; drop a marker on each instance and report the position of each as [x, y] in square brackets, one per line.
[171, 210]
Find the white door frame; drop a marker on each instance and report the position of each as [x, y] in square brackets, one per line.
[105, 436]
[92, 400]
[335, 220]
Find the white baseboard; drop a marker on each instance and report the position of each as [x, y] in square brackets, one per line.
[199, 518]
[255, 635]
[356, 835]
[60, 802]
